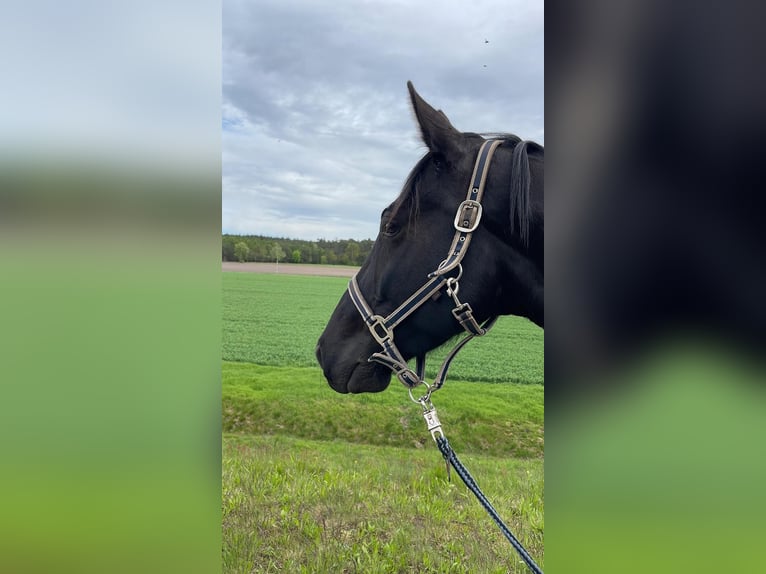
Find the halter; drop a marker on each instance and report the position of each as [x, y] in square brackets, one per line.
[466, 222]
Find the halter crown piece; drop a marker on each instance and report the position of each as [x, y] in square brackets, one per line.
[466, 222]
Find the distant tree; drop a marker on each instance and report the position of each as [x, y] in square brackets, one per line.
[296, 255]
[278, 252]
[227, 249]
[241, 251]
[261, 251]
[351, 253]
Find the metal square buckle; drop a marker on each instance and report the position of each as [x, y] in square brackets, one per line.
[384, 334]
[468, 216]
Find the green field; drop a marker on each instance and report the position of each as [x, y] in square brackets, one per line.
[277, 319]
[314, 481]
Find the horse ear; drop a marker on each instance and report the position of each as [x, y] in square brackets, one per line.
[437, 131]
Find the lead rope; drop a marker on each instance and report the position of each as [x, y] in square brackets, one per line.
[434, 426]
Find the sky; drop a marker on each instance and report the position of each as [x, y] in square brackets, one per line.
[131, 84]
[318, 135]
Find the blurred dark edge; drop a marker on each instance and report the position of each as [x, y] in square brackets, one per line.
[110, 204]
[654, 347]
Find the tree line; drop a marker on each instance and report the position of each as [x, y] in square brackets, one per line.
[261, 248]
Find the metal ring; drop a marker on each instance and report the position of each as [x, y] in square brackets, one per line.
[425, 397]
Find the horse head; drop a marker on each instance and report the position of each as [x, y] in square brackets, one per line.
[500, 272]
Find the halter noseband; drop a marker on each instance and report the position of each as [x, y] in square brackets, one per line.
[466, 221]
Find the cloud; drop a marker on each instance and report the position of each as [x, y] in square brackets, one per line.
[318, 136]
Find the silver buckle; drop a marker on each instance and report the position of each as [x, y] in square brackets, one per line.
[387, 335]
[466, 220]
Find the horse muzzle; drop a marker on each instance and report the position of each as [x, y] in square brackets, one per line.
[351, 372]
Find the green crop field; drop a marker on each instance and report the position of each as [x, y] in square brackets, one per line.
[277, 319]
[314, 481]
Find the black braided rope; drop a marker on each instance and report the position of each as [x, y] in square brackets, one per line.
[451, 458]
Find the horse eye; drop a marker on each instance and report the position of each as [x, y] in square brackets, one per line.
[390, 229]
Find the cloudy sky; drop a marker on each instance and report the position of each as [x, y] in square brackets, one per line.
[318, 136]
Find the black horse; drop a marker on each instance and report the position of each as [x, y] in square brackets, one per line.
[500, 272]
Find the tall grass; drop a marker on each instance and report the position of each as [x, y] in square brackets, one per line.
[498, 420]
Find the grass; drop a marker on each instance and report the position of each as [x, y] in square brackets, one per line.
[497, 420]
[277, 320]
[314, 481]
[294, 505]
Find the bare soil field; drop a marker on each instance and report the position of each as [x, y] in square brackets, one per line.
[290, 269]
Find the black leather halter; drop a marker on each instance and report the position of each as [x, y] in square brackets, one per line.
[467, 220]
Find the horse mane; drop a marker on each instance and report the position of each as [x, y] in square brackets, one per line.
[519, 185]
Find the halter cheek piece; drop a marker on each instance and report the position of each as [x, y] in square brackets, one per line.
[466, 222]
